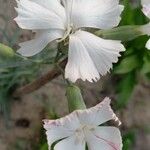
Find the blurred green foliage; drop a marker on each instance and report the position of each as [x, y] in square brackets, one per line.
[16, 70]
[128, 140]
[135, 61]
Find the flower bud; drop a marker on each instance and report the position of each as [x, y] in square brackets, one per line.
[6, 52]
[123, 33]
[75, 99]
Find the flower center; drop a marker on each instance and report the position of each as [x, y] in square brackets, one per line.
[81, 132]
[69, 30]
[66, 34]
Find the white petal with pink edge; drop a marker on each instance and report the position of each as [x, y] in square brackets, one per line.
[79, 128]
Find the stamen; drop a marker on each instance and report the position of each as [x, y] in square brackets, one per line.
[67, 33]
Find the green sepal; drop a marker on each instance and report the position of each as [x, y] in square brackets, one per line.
[122, 33]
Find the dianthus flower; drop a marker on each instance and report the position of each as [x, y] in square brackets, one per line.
[89, 56]
[84, 128]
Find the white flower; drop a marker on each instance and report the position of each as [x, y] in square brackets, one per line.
[82, 127]
[146, 11]
[55, 20]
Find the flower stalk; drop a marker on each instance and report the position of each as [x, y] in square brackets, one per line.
[41, 81]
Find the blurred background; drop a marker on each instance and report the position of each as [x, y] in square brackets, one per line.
[128, 86]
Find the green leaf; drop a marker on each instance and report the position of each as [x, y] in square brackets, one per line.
[128, 140]
[12, 63]
[44, 147]
[125, 89]
[146, 66]
[127, 65]
[128, 13]
[5, 105]
[14, 74]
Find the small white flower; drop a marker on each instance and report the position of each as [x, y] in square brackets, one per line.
[55, 20]
[146, 11]
[82, 127]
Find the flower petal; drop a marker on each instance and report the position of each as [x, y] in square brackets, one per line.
[145, 2]
[41, 40]
[106, 138]
[80, 64]
[90, 55]
[32, 15]
[97, 115]
[103, 52]
[71, 143]
[146, 10]
[148, 44]
[61, 128]
[146, 30]
[101, 14]
[53, 5]
[146, 7]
